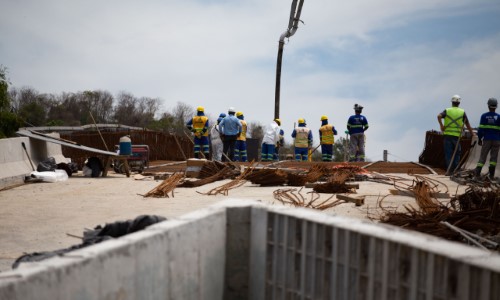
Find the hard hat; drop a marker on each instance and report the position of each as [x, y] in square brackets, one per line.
[278, 121]
[222, 115]
[302, 121]
[231, 110]
[456, 99]
[357, 107]
[323, 118]
[492, 102]
[239, 114]
[200, 108]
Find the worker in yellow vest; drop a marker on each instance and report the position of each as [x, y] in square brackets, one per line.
[454, 121]
[303, 140]
[240, 150]
[326, 138]
[198, 125]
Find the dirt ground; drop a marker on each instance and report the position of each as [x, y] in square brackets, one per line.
[43, 216]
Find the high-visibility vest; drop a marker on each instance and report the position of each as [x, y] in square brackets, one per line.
[301, 137]
[199, 124]
[454, 121]
[243, 134]
[326, 134]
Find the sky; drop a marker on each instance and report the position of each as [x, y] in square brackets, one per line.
[401, 60]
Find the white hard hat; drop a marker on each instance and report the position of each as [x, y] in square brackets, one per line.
[231, 110]
[456, 99]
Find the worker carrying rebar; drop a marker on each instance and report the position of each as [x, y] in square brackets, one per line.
[357, 124]
[303, 140]
[271, 137]
[230, 128]
[326, 138]
[240, 150]
[215, 139]
[198, 125]
[454, 120]
[489, 138]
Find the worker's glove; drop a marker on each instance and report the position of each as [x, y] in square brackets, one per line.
[197, 134]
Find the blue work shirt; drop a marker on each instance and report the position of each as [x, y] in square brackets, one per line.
[489, 127]
[230, 125]
[357, 124]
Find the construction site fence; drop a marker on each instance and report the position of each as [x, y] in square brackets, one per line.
[247, 250]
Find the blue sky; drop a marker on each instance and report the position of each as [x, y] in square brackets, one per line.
[401, 60]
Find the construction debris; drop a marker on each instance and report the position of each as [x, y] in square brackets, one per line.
[356, 200]
[167, 186]
[224, 189]
[288, 196]
[268, 177]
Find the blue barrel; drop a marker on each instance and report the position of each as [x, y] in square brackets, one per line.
[125, 145]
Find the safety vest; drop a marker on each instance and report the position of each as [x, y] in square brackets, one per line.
[243, 134]
[454, 121]
[326, 134]
[301, 137]
[199, 124]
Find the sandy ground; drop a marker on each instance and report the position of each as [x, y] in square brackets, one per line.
[39, 216]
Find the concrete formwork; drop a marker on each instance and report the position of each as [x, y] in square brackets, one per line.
[246, 250]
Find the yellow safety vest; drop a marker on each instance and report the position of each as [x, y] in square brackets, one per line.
[243, 134]
[301, 137]
[326, 134]
[454, 121]
[199, 124]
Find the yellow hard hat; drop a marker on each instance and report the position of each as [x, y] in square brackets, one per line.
[200, 108]
[239, 114]
[278, 121]
[323, 117]
[302, 121]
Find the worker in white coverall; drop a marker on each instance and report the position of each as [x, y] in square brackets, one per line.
[216, 140]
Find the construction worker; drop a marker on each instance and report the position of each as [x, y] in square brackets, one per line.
[326, 138]
[279, 144]
[216, 139]
[454, 120]
[230, 127]
[303, 140]
[240, 151]
[198, 125]
[357, 124]
[489, 138]
[271, 137]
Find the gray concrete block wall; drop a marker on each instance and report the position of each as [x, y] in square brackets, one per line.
[176, 259]
[14, 163]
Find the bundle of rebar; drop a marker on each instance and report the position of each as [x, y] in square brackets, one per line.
[238, 181]
[224, 173]
[167, 186]
[290, 197]
[333, 187]
[211, 168]
[268, 177]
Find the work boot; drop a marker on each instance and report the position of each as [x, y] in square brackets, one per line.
[492, 172]
[478, 172]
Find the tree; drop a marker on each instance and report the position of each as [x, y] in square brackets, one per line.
[341, 149]
[255, 130]
[4, 95]
[9, 122]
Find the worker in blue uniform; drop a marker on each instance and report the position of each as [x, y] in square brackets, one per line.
[198, 125]
[230, 128]
[357, 124]
[489, 138]
[303, 140]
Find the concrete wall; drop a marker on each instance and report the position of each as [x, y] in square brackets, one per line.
[246, 250]
[177, 259]
[14, 162]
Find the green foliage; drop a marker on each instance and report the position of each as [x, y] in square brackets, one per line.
[9, 124]
[33, 114]
[340, 148]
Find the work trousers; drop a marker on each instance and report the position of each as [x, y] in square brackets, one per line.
[217, 149]
[229, 144]
[240, 151]
[267, 152]
[450, 142]
[201, 144]
[301, 154]
[326, 152]
[489, 147]
[357, 147]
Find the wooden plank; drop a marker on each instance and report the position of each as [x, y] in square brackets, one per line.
[360, 200]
